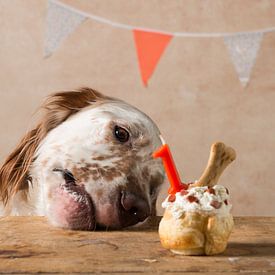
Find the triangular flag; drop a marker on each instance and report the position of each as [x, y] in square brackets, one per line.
[243, 49]
[60, 23]
[149, 46]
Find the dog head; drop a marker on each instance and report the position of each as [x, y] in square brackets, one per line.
[87, 163]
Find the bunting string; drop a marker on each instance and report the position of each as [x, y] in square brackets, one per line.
[132, 27]
[63, 19]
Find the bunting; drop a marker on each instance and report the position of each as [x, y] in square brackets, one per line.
[150, 44]
[60, 22]
[243, 50]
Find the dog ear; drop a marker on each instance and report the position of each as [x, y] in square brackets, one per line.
[14, 173]
[59, 106]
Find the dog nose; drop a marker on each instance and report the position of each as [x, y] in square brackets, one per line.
[134, 209]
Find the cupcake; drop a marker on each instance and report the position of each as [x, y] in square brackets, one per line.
[197, 219]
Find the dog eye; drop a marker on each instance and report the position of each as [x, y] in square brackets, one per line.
[67, 175]
[121, 134]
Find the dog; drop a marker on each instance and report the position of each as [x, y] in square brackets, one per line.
[87, 164]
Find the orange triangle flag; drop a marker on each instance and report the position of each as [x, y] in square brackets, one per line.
[149, 46]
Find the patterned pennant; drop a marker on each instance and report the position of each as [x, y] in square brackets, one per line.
[60, 23]
[243, 49]
[149, 46]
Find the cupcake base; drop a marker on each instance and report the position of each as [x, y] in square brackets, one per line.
[195, 233]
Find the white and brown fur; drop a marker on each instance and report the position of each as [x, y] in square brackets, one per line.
[76, 134]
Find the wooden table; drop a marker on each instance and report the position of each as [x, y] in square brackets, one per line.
[30, 245]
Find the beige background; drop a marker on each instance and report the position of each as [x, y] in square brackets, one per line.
[194, 95]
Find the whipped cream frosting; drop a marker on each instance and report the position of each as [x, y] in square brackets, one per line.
[208, 201]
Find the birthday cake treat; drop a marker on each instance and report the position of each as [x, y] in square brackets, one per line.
[197, 218]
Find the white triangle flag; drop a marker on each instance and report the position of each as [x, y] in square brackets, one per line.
[60, 22]
[243, 49]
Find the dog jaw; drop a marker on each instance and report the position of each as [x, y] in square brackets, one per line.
[71, 209]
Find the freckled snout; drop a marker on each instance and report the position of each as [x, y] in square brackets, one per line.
[132, 209]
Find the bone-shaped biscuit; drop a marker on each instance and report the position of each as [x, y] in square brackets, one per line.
[220, 157]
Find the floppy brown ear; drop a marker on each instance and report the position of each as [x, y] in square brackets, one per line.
[14, 173]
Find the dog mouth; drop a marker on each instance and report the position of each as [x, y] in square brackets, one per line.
[67, 175]
[80, 215]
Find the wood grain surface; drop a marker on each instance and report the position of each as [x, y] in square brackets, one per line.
[30, 245]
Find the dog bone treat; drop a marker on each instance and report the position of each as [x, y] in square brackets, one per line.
[197, 219]
[220, 157]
